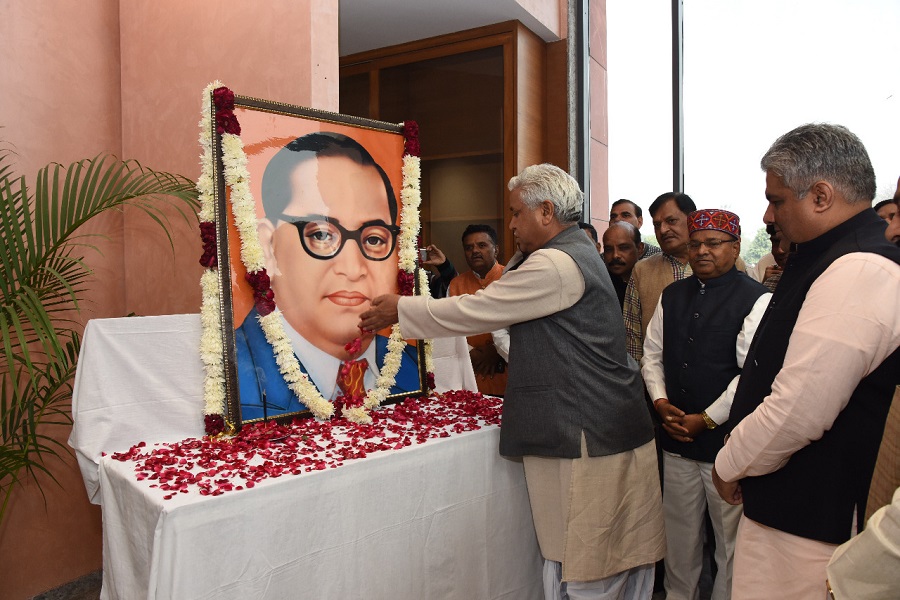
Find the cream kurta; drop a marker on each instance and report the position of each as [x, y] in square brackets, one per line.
[868, 566]
[593, 514]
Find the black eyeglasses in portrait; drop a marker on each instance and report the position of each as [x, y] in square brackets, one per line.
[324, 238]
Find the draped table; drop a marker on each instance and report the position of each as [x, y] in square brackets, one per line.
[448, 518]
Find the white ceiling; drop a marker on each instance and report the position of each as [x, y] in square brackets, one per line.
[369, 24]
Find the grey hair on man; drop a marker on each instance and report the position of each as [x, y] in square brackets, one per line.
[822, 151]
[549, 182]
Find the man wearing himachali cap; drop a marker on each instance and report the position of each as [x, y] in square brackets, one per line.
[694, 351]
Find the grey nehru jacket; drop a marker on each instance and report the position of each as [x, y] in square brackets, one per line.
[569, 373]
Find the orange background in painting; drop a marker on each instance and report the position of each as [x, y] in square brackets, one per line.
[264, 134]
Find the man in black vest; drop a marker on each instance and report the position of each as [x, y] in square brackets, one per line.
[814, 394]
[693, 354]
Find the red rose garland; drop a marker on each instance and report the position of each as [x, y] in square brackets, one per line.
[263, 296]
[208, 237]
[406, 283]
[226, 121]
[411, 137]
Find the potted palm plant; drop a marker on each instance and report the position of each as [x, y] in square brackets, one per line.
[43, 278]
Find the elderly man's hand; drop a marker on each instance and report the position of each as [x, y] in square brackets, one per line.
[383, 313]
[694, 424]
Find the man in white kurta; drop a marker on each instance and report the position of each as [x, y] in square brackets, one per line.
[868, 566]
[597, 514]
[694, 351]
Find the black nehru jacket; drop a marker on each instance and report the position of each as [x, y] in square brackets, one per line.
[815, 493]
[701, 323]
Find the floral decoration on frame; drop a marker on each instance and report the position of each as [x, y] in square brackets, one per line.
[301, 228]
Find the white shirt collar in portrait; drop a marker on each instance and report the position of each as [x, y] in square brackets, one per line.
[322, 368]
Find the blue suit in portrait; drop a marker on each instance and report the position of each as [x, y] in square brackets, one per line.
[254, 352]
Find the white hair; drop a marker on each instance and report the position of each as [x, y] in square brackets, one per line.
[548, 182]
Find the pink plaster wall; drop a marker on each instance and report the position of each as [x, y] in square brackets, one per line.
[59, 76]
[78, 79]
[284, 50]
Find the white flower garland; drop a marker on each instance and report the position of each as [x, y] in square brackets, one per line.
[290, 369]
[211, 350]
[429, 343]
[237, 178]
[211, 345]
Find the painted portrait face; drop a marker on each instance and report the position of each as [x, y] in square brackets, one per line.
[333, 250]
[712, 253]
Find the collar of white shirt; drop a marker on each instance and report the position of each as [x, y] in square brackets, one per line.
[322, 368]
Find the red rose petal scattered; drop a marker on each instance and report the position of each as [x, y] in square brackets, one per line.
[263, 451]
[353, 347]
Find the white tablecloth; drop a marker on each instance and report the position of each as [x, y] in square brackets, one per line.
[141, 379]
[446, 519]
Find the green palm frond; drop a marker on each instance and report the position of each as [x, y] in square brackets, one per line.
[43, 277]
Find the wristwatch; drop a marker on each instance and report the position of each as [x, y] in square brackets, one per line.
[710, 424]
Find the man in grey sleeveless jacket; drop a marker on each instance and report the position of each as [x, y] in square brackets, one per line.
[574, 405]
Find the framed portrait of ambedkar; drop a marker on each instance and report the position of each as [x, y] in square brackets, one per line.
[310, 215]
